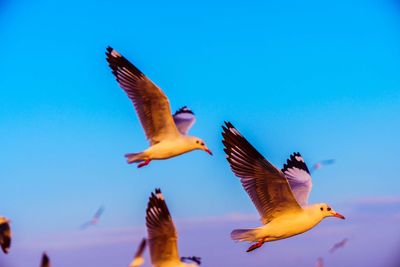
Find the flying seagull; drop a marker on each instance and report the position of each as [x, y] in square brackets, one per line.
[138, 260]
[339, 245]
[162, 235]
[319, 263]
[45, 260]
[95, 219]
[5, 234]
[280, 200]
[167, 133]
[322, 163]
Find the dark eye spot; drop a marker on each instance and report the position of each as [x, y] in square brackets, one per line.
[329, 209]
[321, 208]
[202, 144]
[197, 142]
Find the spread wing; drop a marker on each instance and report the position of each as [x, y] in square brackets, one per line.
[141, 248]
[266, 185]
[98, 213]
[150, 102]
[184, 119]
[5, 236]
[161, 231]
[45, 260]
[299, 178]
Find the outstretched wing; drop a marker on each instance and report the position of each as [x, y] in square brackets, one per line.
[150, 102]
[266, 185]
[161, 231]
[299, 178]
[184, 119]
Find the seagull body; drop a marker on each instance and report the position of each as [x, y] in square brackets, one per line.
[280, 196]
[167, 133]
[138, 260]
[5, 234]
[162, 235]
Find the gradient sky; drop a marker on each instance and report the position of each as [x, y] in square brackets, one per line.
[321, 78]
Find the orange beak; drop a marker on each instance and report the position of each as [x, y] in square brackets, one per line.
[208, 151]
[338, 215]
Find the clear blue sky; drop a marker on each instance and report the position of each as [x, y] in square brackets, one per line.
[320, 77]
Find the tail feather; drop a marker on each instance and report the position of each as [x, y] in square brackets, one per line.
[134, 157]
[243, 235]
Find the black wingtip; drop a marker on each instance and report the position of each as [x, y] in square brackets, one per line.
[184, 109]
[293, 162]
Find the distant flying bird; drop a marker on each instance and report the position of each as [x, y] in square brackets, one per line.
[339, 245]
[95, 219]
[322, 163]
[167, 133]
[319, 263]
[5, 234]
[162, 235]
[280, 197]
[45, 260]
[138, 260]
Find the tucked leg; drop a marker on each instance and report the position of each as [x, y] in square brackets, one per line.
[255, 246]
[145, 163]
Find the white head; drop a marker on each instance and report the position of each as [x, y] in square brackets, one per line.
[324, 210]
[197, 143]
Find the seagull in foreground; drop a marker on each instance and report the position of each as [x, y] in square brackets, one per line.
[280, 196]
[138, 260]
[5, 234]
[322, 163]
[95, 219]
[339, 245]
[319, 263]
[45, 260]
[167, 133]
[162, 235]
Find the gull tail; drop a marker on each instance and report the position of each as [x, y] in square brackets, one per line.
[134, 157]
[244, 235]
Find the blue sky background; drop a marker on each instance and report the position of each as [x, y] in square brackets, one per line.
[319, 77]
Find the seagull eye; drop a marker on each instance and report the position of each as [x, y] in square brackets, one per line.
[329, 209]
[321, 208]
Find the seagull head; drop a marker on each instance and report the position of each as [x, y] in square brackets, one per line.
[326, 211]
[197, 143]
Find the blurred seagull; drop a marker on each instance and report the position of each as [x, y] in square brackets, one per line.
[280, 197]
[138, 260]
[322, 163]
[45, 260]
[95, 219]
[162, 234]
[5, 234]
[319, 263]
[339, 245]
[167, 133]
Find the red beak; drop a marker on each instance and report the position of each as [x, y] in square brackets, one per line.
[208, 151]
[338, 215]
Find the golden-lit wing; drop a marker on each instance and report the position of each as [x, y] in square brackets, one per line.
[161, 231]
[45, 260]
[266, 185]
[150, 102]
[5, 236]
